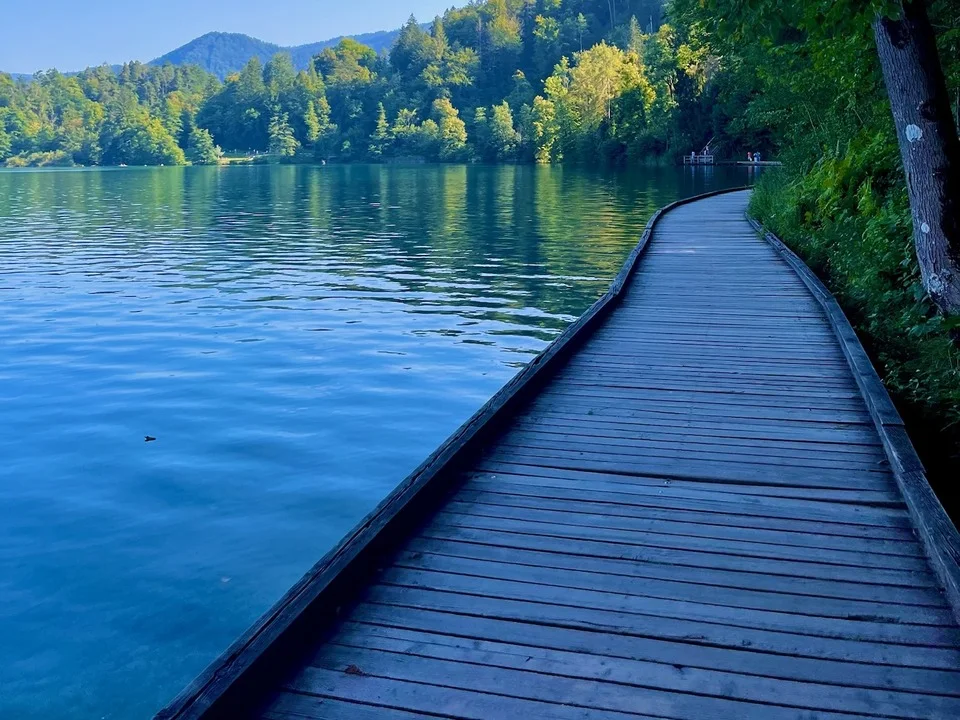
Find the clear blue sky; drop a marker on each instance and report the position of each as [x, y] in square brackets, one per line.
[73, 34]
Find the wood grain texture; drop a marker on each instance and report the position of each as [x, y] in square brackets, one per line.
[698, 502]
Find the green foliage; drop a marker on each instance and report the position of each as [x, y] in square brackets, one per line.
[201, 149]
[544, 130]
[6, 142]
[380, 140]
[504, 139]
[52, 158]
[452, 131]
[282, 140]
[552, 79]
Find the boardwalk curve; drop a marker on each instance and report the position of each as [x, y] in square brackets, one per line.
[695, 505]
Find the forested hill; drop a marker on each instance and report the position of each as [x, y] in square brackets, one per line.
[504, 80]
[224, 53]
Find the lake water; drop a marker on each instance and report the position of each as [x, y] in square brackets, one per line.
[297, 339]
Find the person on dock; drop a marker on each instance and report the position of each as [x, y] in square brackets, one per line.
[693, 157]
[749, 157]
[756, 157]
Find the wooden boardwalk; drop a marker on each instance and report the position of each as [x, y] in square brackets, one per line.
[696, 514]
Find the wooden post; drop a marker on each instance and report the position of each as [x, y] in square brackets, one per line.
[929, 146]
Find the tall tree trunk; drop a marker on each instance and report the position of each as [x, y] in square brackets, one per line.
[928, 143]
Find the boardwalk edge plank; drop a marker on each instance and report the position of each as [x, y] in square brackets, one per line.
[937, 533]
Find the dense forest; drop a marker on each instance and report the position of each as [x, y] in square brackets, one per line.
[581, 80]
[499, 80]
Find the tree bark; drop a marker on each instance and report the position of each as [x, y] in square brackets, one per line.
[907, 48]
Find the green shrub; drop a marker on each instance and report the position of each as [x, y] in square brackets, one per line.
[53, 158]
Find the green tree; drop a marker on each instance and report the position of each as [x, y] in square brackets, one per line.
[452, 131]
[279, 77]
[545, 130]
[413, 50]
[201, 149]
[405, 132]
[311, 122]
[481, 135]
[582, 27]
[429, 142]
[282, 140]
[503, 136]
[380, 140]
[6, 142]
[132, 137]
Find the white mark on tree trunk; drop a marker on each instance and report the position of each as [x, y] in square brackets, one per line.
[936, 285]
[925, 229]
[913, 133]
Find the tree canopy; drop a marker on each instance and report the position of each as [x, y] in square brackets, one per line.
[554, 79]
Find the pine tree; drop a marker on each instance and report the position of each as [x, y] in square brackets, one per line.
[202, 150]
[380, 138]
[282, 140]
[503, 136]
[635, 37]
[311, 123]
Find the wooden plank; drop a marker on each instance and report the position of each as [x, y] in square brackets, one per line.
[571, 692]
[430, 700]
[619, 530]
[668, 439]
[745, 389]
[567, 512]
[637, 449]
[476, 530]
[680, 468]
[750, 557]
[877, 630]
[696, 634]
[727, 511]
[296, 706]
[470, 544]
[632, 579]
[698, 402]
[623, 671]
[606, 407]
[752, 417]
[834, 519]
[843, 435]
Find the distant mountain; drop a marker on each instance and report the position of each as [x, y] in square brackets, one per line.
[224, 53]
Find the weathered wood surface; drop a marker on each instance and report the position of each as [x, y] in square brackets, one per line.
[695, 518]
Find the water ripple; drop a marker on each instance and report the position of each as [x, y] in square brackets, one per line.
[297, 339]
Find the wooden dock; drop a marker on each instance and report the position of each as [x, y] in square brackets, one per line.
[697, 504]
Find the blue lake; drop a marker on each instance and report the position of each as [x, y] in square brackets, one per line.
[297, 339]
